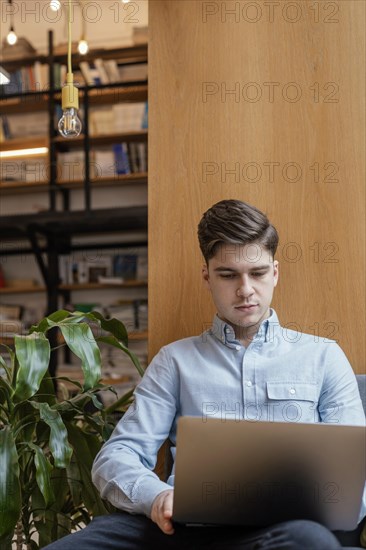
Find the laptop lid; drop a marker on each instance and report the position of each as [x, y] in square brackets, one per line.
[260, 473]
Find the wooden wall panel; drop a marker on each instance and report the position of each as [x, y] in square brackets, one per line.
[293, 132]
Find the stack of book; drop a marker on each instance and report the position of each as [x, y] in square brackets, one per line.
[142, 314]
[80, 269]
[29, 171]
[122, 117]
[24, 125]
[124, 311]
[10, 321]
[141, 274]
[31, 78]
[71, 166]
[109, 72]
[123, 158]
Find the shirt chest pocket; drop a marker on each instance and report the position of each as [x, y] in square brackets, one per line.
[293, 401]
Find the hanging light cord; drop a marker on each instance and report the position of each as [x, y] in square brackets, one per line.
[83, 22]
[11, 16]
[69, 66]
[69, 125]
[70, 97]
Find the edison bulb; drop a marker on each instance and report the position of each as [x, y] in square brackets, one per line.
[83, 47]
[55, 5]
[69, 124]
[11, 38]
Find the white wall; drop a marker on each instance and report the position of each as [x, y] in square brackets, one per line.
[109, 23]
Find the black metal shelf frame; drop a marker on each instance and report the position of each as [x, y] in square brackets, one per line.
[49, 233]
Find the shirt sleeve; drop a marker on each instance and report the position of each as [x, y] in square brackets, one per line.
[340, 400]
[122, 470]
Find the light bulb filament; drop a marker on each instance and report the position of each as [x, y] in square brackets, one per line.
[69, 125]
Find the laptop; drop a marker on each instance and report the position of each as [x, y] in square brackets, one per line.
[239, 472]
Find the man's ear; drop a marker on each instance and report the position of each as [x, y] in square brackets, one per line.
[275, 271]
[205, 275]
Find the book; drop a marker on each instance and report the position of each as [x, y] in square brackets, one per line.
[110, 280]
[9, 311]
[121, 158]
[125, 266]
[141, 268]
[133, 73]
[104, 163]
[128, 116]
[111, 68]
[142, 156]
[86, 72]
[99, 65]
[133, 156]
[15, 86]
[70, 166]
[27, 124]
[101, 121]
[38, 75]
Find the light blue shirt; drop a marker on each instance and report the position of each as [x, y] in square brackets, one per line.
[282, 375]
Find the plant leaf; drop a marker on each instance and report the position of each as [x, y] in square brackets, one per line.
[60, 488]
[47, 322]
[46, 528]
[114, 326]
[7, 389]
[24, 422]
[6, 368]
[124, 400]
[112, 341]
[81, 341]
[74, 481]
[58, 441]
[46, 390]
[84, 457]
[67, 379]
[43, 470]
[33, 354]
[12, 369]
[10, 495]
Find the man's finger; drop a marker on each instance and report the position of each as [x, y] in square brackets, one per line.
[167, 527]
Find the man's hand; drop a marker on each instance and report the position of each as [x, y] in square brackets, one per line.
[162, 511]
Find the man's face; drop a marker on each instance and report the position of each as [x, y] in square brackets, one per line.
[241, 279]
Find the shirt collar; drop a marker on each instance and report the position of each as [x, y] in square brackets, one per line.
[225, 332]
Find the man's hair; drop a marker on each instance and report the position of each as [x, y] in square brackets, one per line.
[235, 222]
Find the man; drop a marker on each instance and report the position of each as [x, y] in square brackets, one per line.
[245, 358]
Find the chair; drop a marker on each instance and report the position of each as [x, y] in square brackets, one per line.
[352, 538]
[361, 380]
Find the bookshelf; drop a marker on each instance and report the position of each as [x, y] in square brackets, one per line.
[22, 289]
[55, 231]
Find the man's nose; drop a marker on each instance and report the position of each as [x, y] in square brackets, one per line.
[245, 289]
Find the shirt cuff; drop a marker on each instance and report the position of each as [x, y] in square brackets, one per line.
[148, 492]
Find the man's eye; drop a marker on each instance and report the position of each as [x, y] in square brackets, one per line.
[227, 276]
[257, 274]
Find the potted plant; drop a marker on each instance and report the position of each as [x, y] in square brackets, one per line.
[47, 445]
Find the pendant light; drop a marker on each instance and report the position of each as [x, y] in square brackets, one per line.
[11, 36]
[69, 124]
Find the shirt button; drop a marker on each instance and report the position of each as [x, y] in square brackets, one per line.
[237, 348]
[249, 383]
[292, 391]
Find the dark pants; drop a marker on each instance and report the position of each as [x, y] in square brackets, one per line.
[123, 531]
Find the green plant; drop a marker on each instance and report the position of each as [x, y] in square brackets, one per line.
[47, 446]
